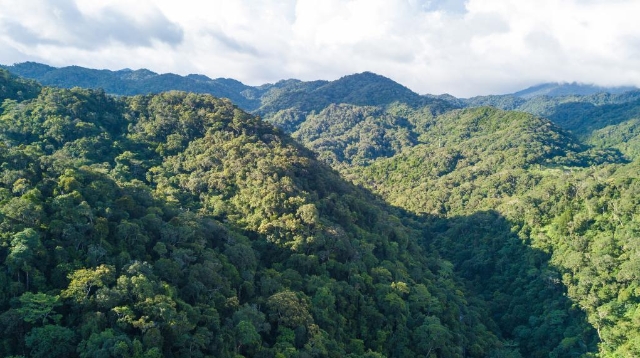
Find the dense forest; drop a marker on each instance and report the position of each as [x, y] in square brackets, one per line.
[177, 224]
[521, 205]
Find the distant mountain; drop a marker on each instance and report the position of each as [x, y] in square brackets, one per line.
[291, 99]
[556, 89]
[538, 99]
[367, 89]
[606, 118]
[129, 82]
[343, 132]
[289, 106]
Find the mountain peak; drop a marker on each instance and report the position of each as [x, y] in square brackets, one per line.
[31, 69]
[198, 77]
[368, 88]
[368, 77]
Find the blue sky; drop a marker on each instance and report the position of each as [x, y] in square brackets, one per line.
[464, 48]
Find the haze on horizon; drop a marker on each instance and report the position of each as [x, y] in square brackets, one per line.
[464, 48]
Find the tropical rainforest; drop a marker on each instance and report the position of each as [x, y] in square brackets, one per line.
[351, 218]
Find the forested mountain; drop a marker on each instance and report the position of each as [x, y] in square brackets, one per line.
[289, 107]
[285, 103]
[601, 116]
[487, 182]
[486, 232]
[547, 106]
[178, 225]
[604, 120]
[573, 202]
[128, 82]
[537, 99]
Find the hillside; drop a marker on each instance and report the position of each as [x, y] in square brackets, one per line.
[604, 120]
[349, 134]
[466, 148]
[554, 194]
[521, 229]
[607, 124]
[178, 225]
[600, 116]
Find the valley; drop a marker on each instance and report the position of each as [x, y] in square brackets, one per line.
[338, 218]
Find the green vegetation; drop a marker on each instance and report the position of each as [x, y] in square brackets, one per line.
[178, 225]
[603, 120]
[487, 182]
[286, 103]
[127, 82]
[355, 134]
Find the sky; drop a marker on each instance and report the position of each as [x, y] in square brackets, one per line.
[464, 48]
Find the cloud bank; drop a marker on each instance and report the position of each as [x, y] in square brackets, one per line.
[464, 48]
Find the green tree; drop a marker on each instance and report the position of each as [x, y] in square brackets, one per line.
[289, 310]
[36, 307]
[23, 252]
[51, 341]
[84, 283]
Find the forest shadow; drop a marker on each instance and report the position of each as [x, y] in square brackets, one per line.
[521, 290]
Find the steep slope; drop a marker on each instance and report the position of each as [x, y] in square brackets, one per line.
[349, 134]
[535, 223]
[17, 89]
[460, 147]
[178, 225]
[498, 180]
[604, 120]
[624, 136]
[515, 202]
[484, 173]
[605, 125]
[469, 171]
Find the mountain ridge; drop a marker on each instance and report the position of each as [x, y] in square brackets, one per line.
[50, 75]
[535, 220]
[555, 89]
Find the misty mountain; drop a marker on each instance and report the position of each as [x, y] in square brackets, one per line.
[556, 89]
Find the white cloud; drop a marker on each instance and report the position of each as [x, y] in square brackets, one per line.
[432, 46]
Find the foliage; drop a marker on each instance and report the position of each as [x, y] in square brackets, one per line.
[525, 212]
[604, 119]
[178, 225]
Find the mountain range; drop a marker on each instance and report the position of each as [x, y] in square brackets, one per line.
[337, 218]
[288, 102]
